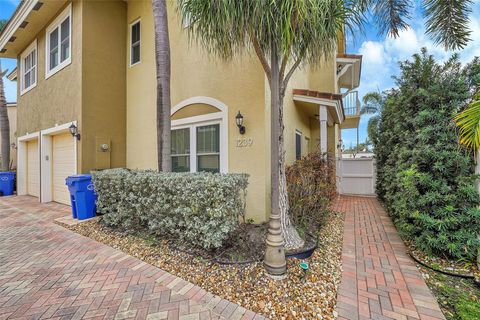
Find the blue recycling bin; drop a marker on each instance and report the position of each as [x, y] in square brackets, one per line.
[82, 196]
[7, 182]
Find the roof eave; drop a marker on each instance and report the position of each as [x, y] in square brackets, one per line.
[20, 14]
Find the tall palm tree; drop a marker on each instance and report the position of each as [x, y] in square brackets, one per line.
[4, 123]
[162, 53]
[4, 126]
[372, 105]
[286, 34]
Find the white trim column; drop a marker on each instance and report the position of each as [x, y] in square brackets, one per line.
[323, 118]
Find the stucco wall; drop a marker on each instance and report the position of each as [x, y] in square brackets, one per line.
[91, 90]
[297, 117]
[239, 85]
[56, 100]
[322, 77]
[104, 84]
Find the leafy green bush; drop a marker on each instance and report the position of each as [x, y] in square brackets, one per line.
[424, 177]
[202, 209]
[311, 188]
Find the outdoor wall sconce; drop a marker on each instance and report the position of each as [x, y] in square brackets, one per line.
[239, 120]
[74, 131]
[340, 143]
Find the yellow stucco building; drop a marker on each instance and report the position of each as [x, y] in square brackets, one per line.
[92, 64]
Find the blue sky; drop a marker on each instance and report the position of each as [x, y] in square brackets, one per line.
[380, 55]
[6, 9]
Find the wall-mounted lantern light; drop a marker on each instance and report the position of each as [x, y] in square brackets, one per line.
[339, 144]
[239, 120]
[74, 131]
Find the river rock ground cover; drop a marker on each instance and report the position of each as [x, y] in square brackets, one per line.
[299, 296]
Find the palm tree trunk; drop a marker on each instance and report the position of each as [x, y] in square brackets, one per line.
[290, 234]
[279, 182]
[275, 262]
[162, 52]
[4, 127]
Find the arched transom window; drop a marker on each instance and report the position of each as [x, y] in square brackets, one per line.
[199, 136]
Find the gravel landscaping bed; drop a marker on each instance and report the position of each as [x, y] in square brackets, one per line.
[296, 297]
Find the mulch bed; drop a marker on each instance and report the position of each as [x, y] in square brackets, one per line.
[297, 297]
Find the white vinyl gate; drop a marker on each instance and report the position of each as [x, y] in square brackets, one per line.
[356, 176]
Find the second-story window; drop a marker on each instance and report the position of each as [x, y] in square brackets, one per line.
[298, 145]
[59, 42]
[28, 68]
[135, 43]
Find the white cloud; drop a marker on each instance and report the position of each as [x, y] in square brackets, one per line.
[473, 48]
[381, 57]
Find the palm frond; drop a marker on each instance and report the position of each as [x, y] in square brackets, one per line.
[391, 16]
[302, 29]
[468, 122]
[372, 103]
[447, 22]
[3, 23]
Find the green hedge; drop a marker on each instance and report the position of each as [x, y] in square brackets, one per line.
[424, 176]
[202, 209]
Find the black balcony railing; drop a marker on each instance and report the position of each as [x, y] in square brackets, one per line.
[351, 104]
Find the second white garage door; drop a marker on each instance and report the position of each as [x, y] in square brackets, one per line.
[63, 165]
[33, 169]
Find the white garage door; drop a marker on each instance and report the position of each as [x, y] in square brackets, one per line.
[33, 169]
[63, 165]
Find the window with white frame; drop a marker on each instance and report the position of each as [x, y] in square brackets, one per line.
[28, 68]
[196, 148]
[298, 145]
[59, 42]
[135, 43]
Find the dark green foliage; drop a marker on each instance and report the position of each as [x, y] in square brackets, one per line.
[3, 23]
[425, 178]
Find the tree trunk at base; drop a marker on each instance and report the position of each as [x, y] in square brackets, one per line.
[281, 232]
[4, 127]
[162, 53]
[291, 237]
[275, 261]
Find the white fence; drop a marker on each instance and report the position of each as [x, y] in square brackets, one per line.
[356, 176]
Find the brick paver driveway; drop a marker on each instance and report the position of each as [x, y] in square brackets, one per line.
[48, 272]
[379, 280]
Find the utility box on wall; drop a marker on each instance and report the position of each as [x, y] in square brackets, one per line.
[103, 150]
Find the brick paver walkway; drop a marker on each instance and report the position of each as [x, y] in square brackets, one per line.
[379, 280]
[48, 272]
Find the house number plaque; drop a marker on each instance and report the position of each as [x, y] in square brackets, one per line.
[244, 142]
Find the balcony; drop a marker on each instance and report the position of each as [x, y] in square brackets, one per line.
[349, 68]
[351, 109]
